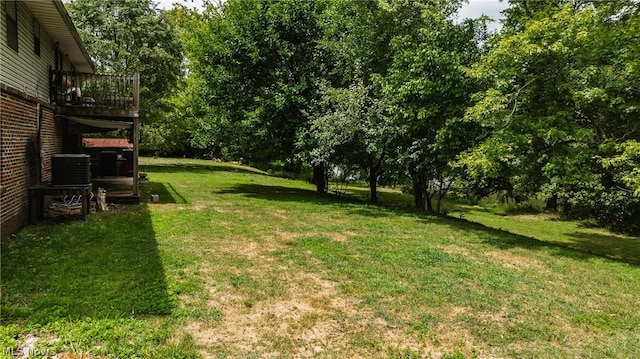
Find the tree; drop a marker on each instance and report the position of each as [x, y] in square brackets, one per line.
[127, 36]
[353, 129]
[257, 62]
[560, 108]
[353, 125]
[430, 92]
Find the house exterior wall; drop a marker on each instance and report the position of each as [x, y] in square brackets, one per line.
[25, 70]
[19, 155]
[24, 83]
[30, 132]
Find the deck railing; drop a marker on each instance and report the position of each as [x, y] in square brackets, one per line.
[94, 90]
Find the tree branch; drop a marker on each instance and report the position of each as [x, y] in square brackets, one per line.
[515, 102]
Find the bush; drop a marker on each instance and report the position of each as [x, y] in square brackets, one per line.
[616, 208]
[619, 210]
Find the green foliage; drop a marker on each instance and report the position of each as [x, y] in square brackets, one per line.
[308, 81]
[561, 111]
[383, 108]
[257, 65]
[354, 130]
[350, 124]
[430, 92]
[624, 162]
[613, 200]
[127, 36]
[397, 92]
[353, 118]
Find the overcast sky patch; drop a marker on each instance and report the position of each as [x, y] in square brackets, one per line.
[474, 9]
[477, 8]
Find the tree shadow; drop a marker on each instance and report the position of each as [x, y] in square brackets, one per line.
[165, 191]
[499, 238]
[199, 168]
[619, 248]
[106, 267]
[289, 194]
[286, 194]
[373, 211]
[586, 248]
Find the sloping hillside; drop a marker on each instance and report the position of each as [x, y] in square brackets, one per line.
[234, 263]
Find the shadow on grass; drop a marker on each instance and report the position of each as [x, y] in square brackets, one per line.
[198, 168]
[106, 267]
[584, 248]
[619, 248]
[165, 191]
[588, 247]
[286, 194]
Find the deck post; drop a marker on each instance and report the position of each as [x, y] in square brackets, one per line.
[136, 133]
[136, 142]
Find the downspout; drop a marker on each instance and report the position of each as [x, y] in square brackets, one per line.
[38, 140]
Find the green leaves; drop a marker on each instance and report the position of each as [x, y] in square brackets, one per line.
[398, 90]
[624, 160]
[430, 91]
[127, 36]
[353, 126]
[257, 62]
[559, 101]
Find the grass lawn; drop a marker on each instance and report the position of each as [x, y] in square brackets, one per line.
[583, 236]
[234, 263]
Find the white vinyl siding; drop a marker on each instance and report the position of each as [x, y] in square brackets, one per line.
[24, 70]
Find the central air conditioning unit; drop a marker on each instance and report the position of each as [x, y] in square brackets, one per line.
[70, 170]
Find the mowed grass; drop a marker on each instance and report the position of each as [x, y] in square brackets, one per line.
[581, 235]
[235, 263]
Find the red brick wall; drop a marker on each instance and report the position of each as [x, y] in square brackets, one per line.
[50, 141]
[19, 158]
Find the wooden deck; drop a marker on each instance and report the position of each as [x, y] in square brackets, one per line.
[98, 103]
[95, 95]
[119, 189]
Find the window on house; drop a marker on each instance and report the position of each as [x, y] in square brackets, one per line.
[11, 11]
[36, 37]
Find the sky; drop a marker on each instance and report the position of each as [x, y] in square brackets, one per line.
[167, 4]
[473, 9]
[491, 8]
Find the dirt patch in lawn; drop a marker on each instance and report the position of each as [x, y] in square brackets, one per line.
[455, 249]
[314, 319]
[279, 214]
[536, 217]
[311, 318]
[513, 261]
[71, 356]
[342, 236]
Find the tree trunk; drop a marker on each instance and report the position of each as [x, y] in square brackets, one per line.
[552, 203]
[373, 184]
[418, 194]
[429, 204]
[320, 178]
[440, 195]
